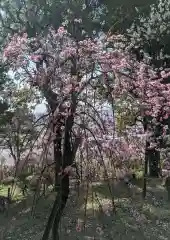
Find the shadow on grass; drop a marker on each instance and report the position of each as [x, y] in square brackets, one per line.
[23, 223]
[119, 225]
[118, 189]
[134, 218]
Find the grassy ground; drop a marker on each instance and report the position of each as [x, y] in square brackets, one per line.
[133, 218]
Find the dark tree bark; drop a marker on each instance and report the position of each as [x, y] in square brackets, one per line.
[152, 154]
[57, 158]
[145, 172]
[62, 184]
[57, 210]
[64, 153]
[64, 193]
[67, 160]
[154, 162]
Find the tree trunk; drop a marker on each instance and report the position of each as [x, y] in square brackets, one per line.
[64, 193]
[64, 153]
[62, 160]
[57, 210]
[154, 161]
[151, 154]
[67, 160]
[145, 173]
[50, 220]
[168, 191]
[57, 157]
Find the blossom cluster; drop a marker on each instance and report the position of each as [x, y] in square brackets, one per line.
[67, 67]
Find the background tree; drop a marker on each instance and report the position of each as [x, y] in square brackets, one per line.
[149, 37]
[61, 81]
[96, 15]
[64, 81]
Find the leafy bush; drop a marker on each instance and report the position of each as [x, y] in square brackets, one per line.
[8, 181]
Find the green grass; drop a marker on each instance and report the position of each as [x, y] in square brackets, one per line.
[16, 192]
[122, 225]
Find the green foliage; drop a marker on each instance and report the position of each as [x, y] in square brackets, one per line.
[17, 132]
[8, 181]
[6, 118]
[125, 119]
[36, 16]
[150, 33]
[23, 180]
[23, 177]
[127, 112]
[4, 80]
[3, 75]
[3, 107]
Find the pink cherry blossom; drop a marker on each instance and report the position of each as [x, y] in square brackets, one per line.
[36, 58]
[61, 31]
[71, 70]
